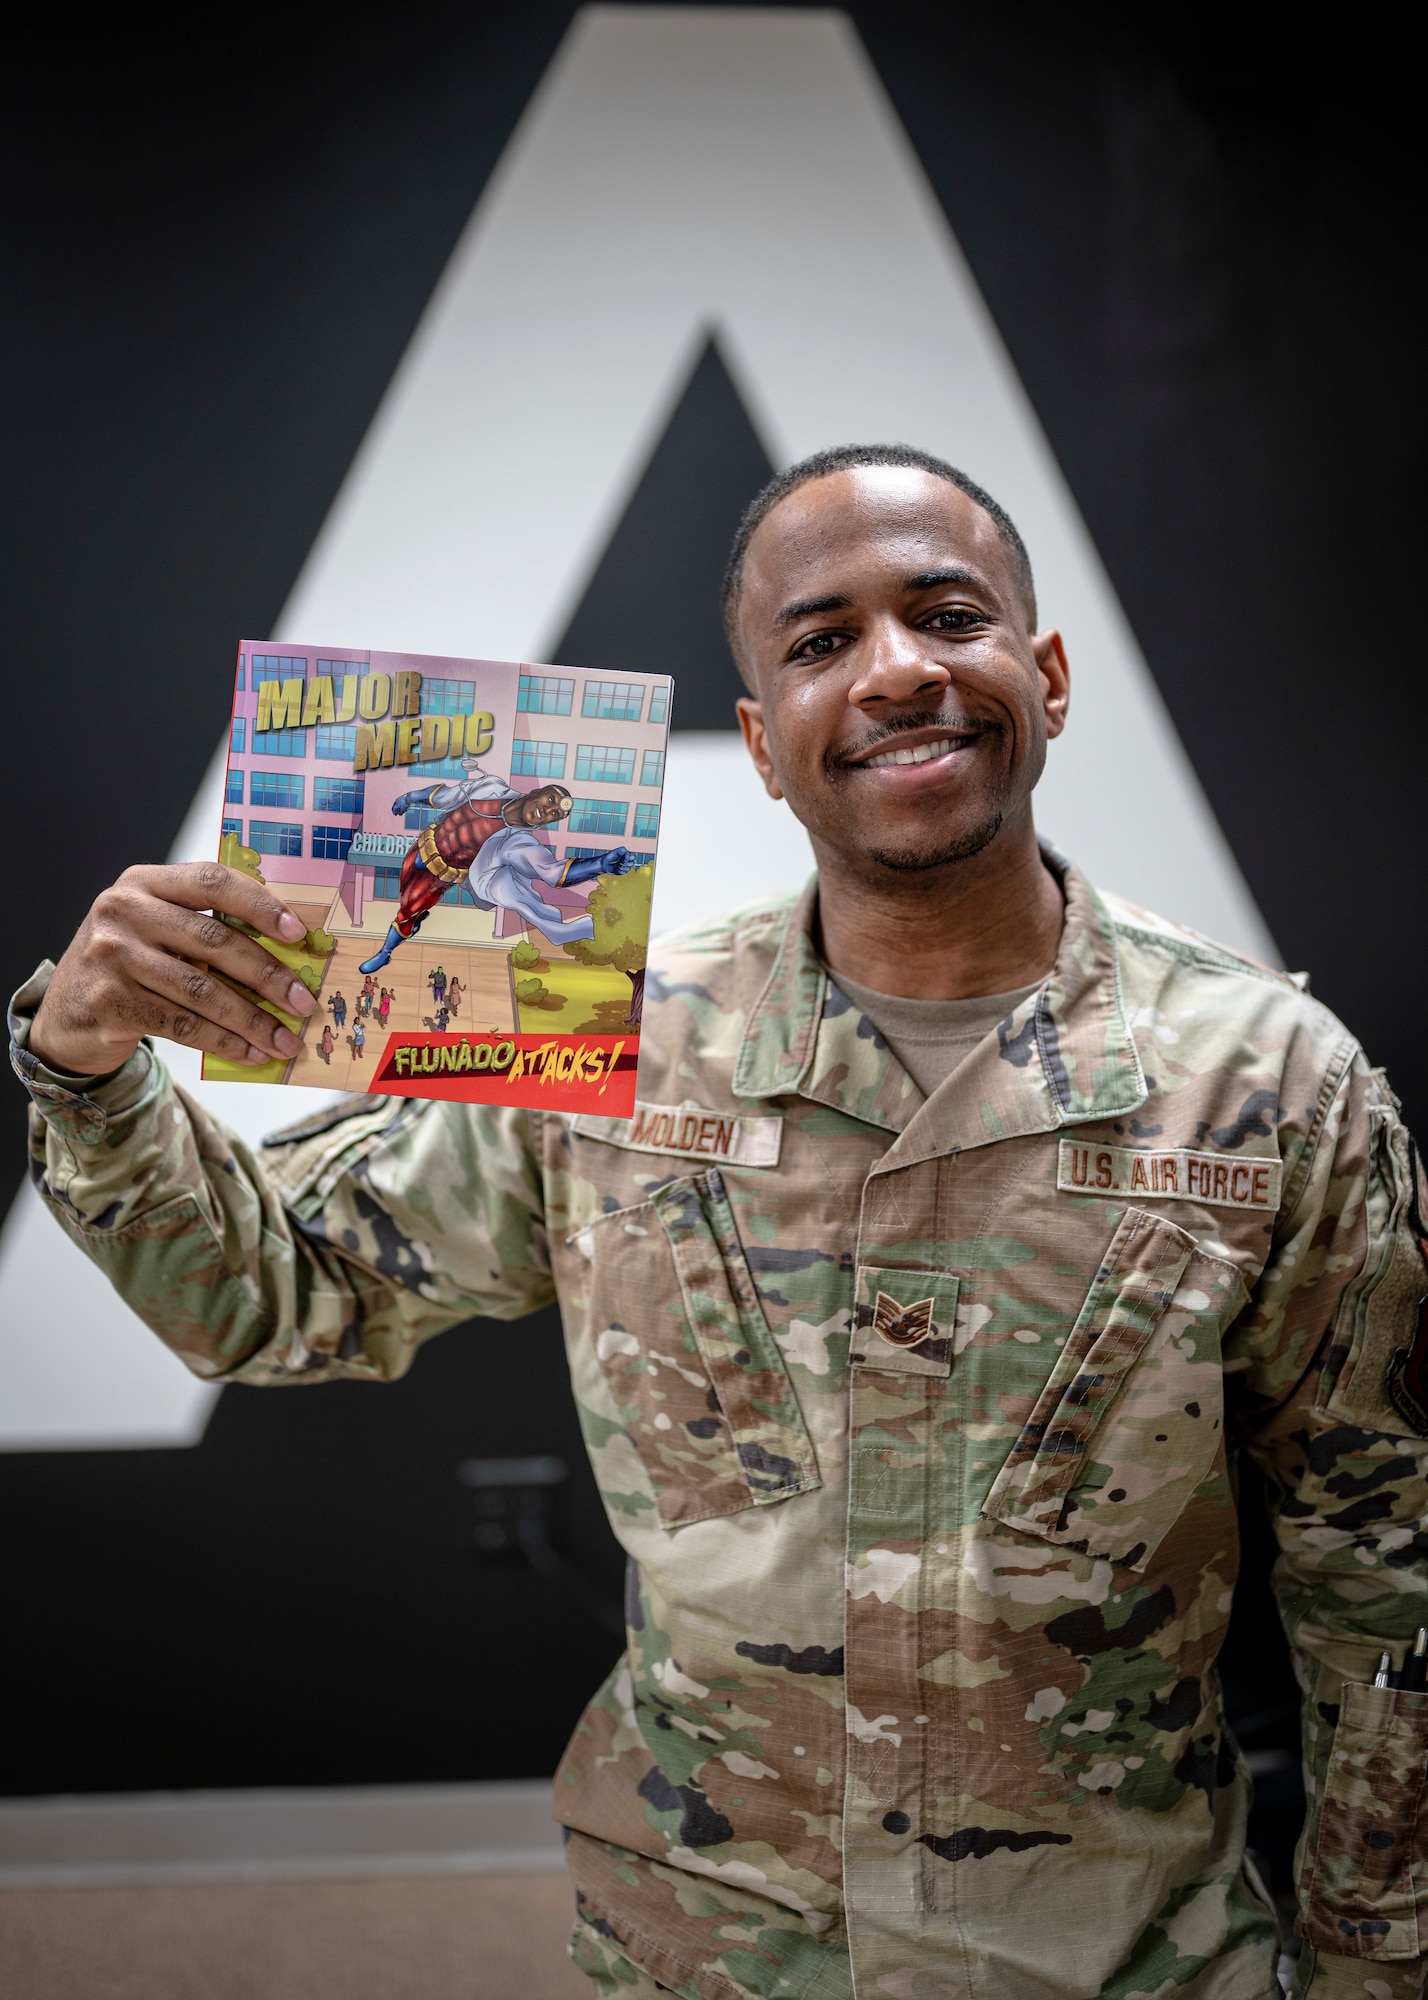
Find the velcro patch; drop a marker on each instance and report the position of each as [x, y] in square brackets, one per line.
[903, 1321]
[1173, 1175]
[691, 1133]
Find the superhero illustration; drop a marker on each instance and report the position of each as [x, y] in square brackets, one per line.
[484, 834]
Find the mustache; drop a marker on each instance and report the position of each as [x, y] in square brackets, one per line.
[883, 732]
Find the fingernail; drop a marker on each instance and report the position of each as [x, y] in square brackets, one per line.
[290, 928]
[286, 1042]
[300, 1001]
[256, 1056]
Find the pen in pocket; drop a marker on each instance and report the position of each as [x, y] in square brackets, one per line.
[1413, 1677]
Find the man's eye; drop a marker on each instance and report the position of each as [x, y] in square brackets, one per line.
[819, 646]
[957, 618]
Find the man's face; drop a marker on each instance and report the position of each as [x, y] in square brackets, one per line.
[542, 808]
[903, 703]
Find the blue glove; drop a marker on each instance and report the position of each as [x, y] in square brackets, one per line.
[615, 861]
[586, 868]
[399, 806]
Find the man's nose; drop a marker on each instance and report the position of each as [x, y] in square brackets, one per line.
[896, 668]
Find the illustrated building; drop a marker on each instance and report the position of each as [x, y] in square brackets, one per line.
[293, 795]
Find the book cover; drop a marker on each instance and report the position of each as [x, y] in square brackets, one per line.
[471, 844]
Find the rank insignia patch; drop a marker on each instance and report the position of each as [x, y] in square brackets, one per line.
[902, 1326]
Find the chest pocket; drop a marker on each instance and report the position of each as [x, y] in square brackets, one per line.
[688, 1358]
[1132, 1415]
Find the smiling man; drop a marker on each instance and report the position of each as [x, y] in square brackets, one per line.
[971, 1221]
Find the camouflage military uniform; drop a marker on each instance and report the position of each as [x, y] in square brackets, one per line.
[912, 1416]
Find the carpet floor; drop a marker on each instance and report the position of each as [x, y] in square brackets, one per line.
[434, 1937]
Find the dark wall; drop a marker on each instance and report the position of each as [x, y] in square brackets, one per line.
[1194, 240]
[302, 1600]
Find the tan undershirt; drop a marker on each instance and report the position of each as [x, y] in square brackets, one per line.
[931, 1037]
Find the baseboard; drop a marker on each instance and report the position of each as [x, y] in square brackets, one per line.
[268, 1835]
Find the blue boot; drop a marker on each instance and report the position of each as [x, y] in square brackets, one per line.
[379, 958]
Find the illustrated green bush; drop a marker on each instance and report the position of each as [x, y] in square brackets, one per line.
[308, 960]
[530, 991]
[525, 955]
[233, 854]
[620, 909]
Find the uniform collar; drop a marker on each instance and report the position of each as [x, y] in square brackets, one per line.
[1064, 1057]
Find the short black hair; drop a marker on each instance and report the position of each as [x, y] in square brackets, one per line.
[847, 458]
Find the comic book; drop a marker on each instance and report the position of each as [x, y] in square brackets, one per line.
[471, 844]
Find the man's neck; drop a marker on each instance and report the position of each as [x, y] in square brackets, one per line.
[989, 924]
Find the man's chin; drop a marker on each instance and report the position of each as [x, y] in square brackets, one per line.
[916, 857]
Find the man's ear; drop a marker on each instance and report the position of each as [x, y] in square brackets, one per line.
[1055, 674]
[756, 742]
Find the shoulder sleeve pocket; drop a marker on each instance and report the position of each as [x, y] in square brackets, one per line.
[1377, 1371]
[1131, 1420]
[1360, 1900]
[687, 1357]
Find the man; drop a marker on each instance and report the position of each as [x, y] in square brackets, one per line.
[912, 1410]
[484, 832]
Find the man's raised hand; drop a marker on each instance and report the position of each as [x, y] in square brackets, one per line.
[144, 962]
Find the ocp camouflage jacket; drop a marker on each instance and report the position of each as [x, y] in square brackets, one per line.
[917, 1420]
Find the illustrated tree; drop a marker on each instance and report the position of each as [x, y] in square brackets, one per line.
[306, 959]
[620, 909]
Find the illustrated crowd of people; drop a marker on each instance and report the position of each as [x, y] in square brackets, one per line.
[446, 999]
[376, 1002]
[372, 1000]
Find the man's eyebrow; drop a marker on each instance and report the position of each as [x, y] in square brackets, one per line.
[808, 607]
[932, 579]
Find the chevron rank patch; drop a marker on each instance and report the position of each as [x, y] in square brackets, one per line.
[902, 1326]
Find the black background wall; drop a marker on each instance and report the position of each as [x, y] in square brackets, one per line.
[1193, 232]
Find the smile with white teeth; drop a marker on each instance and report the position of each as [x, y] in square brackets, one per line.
[923, 754]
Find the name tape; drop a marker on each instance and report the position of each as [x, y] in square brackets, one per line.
[691, 1133]
[1172, 1175]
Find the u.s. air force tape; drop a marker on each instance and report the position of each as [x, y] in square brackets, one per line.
[691, 1133]
[1175, 1174]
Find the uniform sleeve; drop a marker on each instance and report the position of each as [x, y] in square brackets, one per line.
[333, 1251]
[1319, 1359]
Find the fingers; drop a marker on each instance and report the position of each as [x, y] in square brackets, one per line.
[188, 1004]
[148, 959]
[190, 934]
[208, 885]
